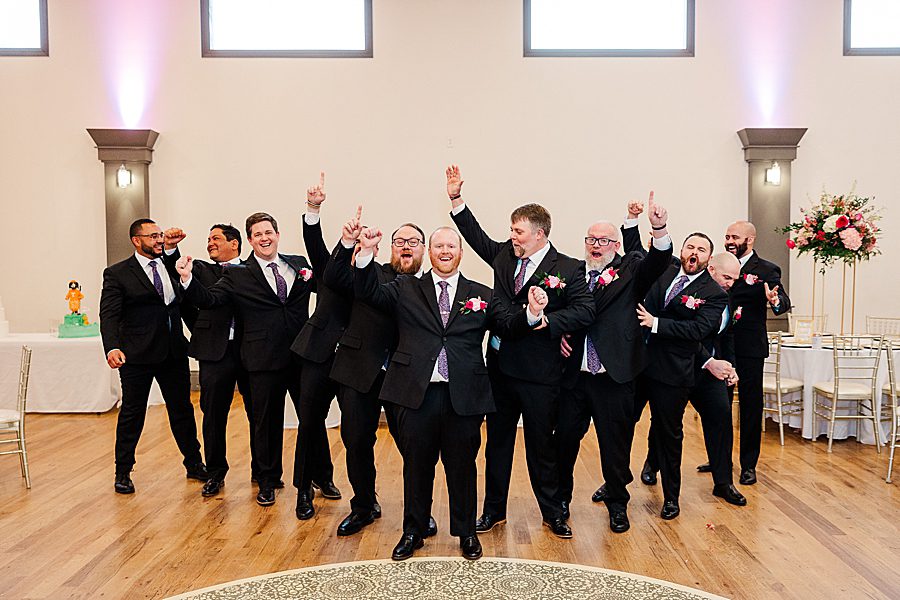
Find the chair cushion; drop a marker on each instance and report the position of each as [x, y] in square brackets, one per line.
[8, 416]
[847, 389]
[788, 385]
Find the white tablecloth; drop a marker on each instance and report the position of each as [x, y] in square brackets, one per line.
[67, 375]
[812, 366]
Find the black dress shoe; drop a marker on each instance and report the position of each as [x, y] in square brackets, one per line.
[559, 527]
[328, 490]
[305, 510]
[407, 546]
[470, 547]
[618, 521]
[124, 485]
[648, 474]
[487, 521]
[197, 471]
[277, 486]
[432, 528]
[704, 468]
[266, 496]
[355, 522]
[565, 509]
[212, 487]
[730, 494]
[670, 510]
[748, 477]
[600, 495]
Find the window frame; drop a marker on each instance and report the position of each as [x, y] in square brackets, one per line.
[44, 49]
[850, 50]
[687, 52]
[207, 52]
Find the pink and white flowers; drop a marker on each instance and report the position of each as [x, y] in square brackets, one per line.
[750, 278]
[607, 277]
[305, 273]
[475, 304]
[737, 315]
[552, 282]
[692, 302]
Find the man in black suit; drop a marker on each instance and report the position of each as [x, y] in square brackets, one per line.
[215, 344]
[437, 381]
[605, 358]
[315, 345]
[523, 358]
[757, 290]
[359, 363]
[683, 307]
[270, 294]
[140, 323]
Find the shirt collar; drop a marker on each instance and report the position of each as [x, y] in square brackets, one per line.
[538, 256]
[234, 261]
[744, 260]
[145, 262]
[691, 278]
[451, 280]
[265, 263]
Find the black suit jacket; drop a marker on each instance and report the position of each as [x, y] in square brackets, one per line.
[371, 333]
[319, 337]
[672, 349]
[134, 318]
[718, 345]
[616, 330]
[269, 327]
[527, 353]
[422, 334]
[750, 337]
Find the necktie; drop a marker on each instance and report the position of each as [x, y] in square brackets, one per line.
[157, 281]
[280, 283]
[592, 283]
[444, 307]
[676, 289]
[593, 359]
[520, 276]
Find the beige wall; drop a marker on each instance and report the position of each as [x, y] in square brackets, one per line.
[448, 84]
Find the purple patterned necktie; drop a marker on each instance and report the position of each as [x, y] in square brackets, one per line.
[520, 276]
[593, 359]
[676, 289]
[157, 281]
[444, 307]
[280, 283]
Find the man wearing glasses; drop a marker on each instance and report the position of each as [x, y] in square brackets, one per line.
[140, 323]
[604, 360]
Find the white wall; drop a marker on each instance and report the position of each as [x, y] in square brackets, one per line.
[582, 136]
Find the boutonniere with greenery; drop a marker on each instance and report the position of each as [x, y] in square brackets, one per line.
[692, 302]
[750, 278]
[607, 277]
[473, 305]
[305, 273]
[552, 282]
[737, 315]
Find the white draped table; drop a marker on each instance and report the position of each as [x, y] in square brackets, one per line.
[812, 366]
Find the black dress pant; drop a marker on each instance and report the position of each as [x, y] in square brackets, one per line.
[667, 404]
[217, 381]
[268, 390]
[611, 405]
[537, 404]
[360, 414]
[750, 398]
[312, 454]
[423, 435]
[174, 378]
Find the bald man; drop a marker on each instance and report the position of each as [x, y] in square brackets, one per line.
[757, 290]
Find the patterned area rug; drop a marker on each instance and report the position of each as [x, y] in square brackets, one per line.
[451, 579]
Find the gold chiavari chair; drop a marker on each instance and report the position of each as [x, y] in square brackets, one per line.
[886, 326]
[776, 387]
[852, 393]
[892, 408]
[12, 422]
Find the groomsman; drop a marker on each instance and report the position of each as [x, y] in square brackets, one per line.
[140, 323]
[270, 293]
[757, 290]
[683, 307]
[437, 381]
[523, 357]
[605, 358]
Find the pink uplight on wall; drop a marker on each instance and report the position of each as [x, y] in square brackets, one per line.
[132, 98]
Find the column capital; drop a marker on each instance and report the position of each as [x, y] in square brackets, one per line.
[124, 145]
[774, 143]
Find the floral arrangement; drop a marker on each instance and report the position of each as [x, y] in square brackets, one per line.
[836, 228]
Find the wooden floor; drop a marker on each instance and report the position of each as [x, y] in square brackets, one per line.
[817, 525]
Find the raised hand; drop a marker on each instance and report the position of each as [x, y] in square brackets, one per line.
[635, 208]
[644, 316]
[657, 214]
[184, 266]
[369, 238]
[771, 294]
[315, 195]
[537, 300]
[352, 228]
[172, 236]
[115, 359]
[454, 181]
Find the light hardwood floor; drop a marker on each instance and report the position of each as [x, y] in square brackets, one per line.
[817, 525]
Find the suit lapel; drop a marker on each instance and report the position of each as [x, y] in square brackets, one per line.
[663, 284]
[506, 273]
[548, 265]
[751, 264]
[604, 294]
[256, 270]
[462, 294]
[295, 263]
[426, 287]
[139, 272]
[695, 285]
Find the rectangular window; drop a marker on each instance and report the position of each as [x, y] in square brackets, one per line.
[287, 28]
[609, 27]
[871, 27]
[23, 28]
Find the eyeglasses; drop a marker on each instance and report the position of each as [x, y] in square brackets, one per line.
[591, 241]
[152, 236]
[400, 242]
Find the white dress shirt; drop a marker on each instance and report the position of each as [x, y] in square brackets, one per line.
[234, 261]
[168, 290]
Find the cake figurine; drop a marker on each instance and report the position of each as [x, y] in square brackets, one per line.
[75, 324]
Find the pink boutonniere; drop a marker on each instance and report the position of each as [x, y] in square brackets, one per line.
[750, 278]
[553, 282]
[607, 277]
[692, 302]
[737, 315]
[473, 305]
[305, 274]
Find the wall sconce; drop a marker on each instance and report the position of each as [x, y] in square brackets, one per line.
[123, 176]
[773, 174]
